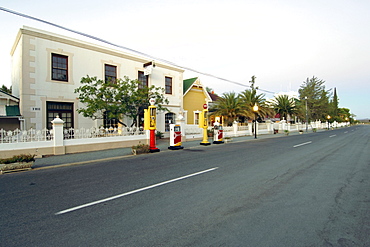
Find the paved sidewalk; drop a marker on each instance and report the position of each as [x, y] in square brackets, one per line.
[162, 144]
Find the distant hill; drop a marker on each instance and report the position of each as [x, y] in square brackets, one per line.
[366, 120]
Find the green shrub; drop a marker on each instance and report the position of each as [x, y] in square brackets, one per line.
[159, 135]
[144, 148]
[19, 158]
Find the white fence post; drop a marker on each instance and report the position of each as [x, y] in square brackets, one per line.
[235, 127]
[58, 136]
[269, 127]
[250, 128]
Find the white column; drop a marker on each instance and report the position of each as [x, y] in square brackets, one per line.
[235, 127]
[269, 127]
[58, 136]
[250, 128]
[181, 121]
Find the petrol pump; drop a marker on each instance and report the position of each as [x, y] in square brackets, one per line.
[150, 124]
[203, 123]
[218, 133]
[175, 137]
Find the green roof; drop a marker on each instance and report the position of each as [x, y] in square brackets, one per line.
[187, 84]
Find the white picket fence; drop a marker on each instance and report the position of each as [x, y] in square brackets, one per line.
[33, 135]
[62, 141]
[30, 135]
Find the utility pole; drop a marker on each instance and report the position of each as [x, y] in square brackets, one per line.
[306, 115]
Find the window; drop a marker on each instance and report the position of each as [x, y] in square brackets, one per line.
[143, 79]
[110, 73]
[168, 85]
[59, 67]
[109, 122]
[61, 109]
[169, 118]
[196, 118]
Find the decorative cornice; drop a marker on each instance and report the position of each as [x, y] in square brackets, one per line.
[85, 45]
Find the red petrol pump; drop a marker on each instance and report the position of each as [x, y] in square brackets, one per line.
[203, 123]
[218, 134]
[175, 137]
[150, 124]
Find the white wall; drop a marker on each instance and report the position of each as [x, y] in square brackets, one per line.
[34, 77]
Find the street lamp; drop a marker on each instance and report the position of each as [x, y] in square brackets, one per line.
[328, 117]
[255, 109]
[306, 115]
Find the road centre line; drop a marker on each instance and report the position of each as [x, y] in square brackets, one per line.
[298, 145]
[332, 136]
[133, 192]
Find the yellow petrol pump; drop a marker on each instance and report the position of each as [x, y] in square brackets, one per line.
[150, 116]
[203, 123]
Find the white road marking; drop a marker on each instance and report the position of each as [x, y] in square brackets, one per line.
[133, 192]
[332, 136]
[346, 132]
[298, 145]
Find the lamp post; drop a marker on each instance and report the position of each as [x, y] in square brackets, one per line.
[255, 109]
[328, 117]
[306, 115]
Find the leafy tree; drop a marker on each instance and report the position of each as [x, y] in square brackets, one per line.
[335, 102]
[249, 98]
[252, 82]
[209, 89]
[334, 110]
[6, 89]
[228, 106]
[344, 115]
[284, 105]
[124, 97]
[317, 98]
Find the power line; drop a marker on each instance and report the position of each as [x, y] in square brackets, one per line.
[123, 47]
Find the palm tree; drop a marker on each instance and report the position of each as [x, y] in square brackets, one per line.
[249, 98]
[284, 106]
[228, 106]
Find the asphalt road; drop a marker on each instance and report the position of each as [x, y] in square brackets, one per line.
[302, 190]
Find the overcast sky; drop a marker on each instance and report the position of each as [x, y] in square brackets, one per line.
[280, 42]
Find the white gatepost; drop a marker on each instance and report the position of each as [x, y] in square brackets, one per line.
[269, 127]
[283, 125]
[250, 128]
[58, 139]
[235, 127]
[181, 121]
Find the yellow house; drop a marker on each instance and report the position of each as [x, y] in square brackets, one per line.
[195, 96]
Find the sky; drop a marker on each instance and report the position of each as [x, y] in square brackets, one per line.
[282, 42]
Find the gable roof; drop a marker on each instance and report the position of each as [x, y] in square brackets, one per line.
[213, 96]
[8, 96]
[187, 84]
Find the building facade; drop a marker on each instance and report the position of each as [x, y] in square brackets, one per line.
[195, 96]
[47, 68]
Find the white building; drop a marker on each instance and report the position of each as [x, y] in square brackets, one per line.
[47, 68]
